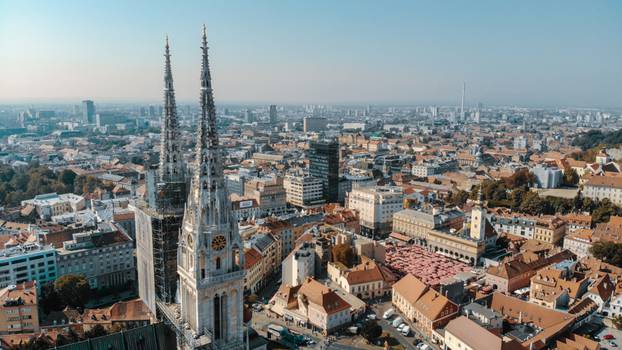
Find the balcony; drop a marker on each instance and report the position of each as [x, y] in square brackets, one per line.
[211, 280]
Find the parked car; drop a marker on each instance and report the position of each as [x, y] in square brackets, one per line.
[371, 316]
[387, 314]
[608, 336]
[400, 327]
[397, 322]
[405, 331]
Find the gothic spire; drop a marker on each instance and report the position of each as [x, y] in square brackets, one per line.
[208, 187]
[171, 161]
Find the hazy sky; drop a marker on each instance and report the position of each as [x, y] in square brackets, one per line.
[508, 52]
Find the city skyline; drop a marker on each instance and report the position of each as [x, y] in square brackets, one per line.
[321, 53]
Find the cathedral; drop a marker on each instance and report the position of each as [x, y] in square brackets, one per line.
[210, 260]
[205, 309]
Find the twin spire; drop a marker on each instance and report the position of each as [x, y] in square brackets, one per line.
[207, 199]
[171, 157]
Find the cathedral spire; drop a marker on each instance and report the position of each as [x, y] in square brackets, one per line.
[171, 161]
[208, 188]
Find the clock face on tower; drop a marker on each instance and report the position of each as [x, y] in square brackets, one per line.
[219, 242]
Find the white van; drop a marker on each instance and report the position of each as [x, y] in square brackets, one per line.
[406, 331]
[387, 314]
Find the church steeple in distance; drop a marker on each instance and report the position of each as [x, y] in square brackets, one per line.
[171, 160]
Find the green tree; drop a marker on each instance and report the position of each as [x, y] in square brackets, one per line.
[609, 252]
[73, 290]
[371, 330]
[67, 177]
[50, 301]
[531, 203]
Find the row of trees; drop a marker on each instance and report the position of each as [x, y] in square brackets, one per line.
[595, 138]
[513, 192]
[17, 185]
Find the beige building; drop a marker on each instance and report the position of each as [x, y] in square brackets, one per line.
[366, 280]
[549, 229]
[254, 278]
[304, 191]
[464, 334]
[18, 310]
[269, 195]
[376, 206]
[601, 187]
[425, 307]
[579, 242]
[312, 304]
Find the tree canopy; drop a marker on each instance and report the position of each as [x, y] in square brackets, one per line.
[72, 290]
[595, 138]
[371, 330]
[609, 252]
[17, 185]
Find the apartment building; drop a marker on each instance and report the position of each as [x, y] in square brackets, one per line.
[299, 265]
[105, 256]
[24, 261]
[19, 309]
[376, 206]
[269, 248]
[269, 195]
[544, 228]
[254, 279]
[558, 285]
[601, 187]
[427, 308]
[304, 191]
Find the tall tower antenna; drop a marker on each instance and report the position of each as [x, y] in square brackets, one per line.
[462, 102]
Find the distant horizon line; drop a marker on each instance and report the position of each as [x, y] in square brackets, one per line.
[72, 102]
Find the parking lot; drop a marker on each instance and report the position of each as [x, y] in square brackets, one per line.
[406, 341]
[613, 343]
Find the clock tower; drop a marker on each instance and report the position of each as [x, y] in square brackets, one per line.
[210, 258]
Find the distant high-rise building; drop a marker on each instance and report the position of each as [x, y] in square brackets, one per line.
[152, 111]
[272, 114]
[248, 115]
[324, 164]
[314, 124]
[434, 111]
[88, 111]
